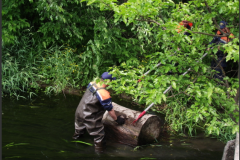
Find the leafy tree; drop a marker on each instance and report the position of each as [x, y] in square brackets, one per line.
[12, 21]
[196, 100]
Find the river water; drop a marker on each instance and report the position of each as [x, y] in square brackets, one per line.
[42, 128]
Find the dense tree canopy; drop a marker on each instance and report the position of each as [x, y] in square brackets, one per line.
[68, 43]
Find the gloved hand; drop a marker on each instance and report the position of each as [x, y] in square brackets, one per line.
[120, 120]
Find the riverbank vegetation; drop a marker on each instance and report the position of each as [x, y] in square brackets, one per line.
[68, 43]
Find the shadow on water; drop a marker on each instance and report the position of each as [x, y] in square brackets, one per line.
[42, 129]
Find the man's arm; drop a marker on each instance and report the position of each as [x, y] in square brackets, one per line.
[107, 105]
[112, 114]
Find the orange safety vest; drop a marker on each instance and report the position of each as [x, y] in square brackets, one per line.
[225, 39]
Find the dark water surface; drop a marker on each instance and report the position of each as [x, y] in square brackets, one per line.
[42, 128]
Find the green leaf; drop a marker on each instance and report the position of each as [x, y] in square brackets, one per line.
[159, 99]
[44, 44]
[204, 69]
[235, 129]
[167, 69]
[199, 94]
[209, 92]
[215, 49]
[173, 84]
[164, 97]
[90, 2]
[83, 143]
[196, 68]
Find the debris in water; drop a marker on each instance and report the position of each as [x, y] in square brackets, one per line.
[185, 144]
[83, 142]
[23, 105]
[182, 134]
[157, 145]
[65, 140]
[13, 157]
[183, 140]
[17, 144]
[40, 104]
[136, 148]
[34, 106]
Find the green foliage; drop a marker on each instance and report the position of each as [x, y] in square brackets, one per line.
[197, 100]
[12, 22]
[69, 18]
[233, 50]
[63, 67]
[55, 21]
[26, 64]
[15, 79]
[128, 39]
[19, 66]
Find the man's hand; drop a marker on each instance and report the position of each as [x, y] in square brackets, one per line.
[120, 120]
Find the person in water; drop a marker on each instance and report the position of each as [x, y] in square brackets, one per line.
[89, 113]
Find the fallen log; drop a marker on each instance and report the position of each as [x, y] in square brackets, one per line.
[146, 130]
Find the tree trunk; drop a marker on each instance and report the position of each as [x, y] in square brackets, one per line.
[236, 98]
[228, 153]
[236, 154]
[146, 129]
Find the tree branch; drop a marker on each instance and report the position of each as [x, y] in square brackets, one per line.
[215, 80]
[150, 20]
[236, 98]
[185, 89]
[213, 35]
[214, 20]
[224, 74]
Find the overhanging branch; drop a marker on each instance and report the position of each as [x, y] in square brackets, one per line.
[215, 22]
[213, 35]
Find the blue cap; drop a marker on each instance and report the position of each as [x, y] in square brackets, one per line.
[106, 75]
[222, 24]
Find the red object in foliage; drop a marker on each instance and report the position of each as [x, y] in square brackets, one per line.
[190, 24]
[184, 23]
[140, 79]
